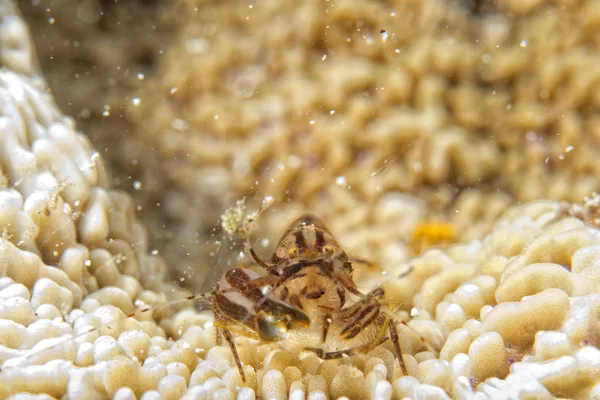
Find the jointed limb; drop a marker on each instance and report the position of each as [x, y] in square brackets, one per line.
[326, 323]
[236, 357]
[238, 329]
[362, 349]
[396, 342]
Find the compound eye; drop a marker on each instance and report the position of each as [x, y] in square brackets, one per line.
[293, 252]
[328, 249]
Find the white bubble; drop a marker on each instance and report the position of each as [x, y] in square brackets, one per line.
[340, 180]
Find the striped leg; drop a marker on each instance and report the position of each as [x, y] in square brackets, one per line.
[362, 349]
[234, 352]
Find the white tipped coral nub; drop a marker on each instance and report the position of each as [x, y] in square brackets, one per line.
[83, 299]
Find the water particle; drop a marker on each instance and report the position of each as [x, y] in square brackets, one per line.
[331, 112]
[340, 180]
[523, 43]
[569, 148]
[268, 201]
[136, 101]
[137, 185]
[173, 90]
[264, 242]
[140, 76]
[197, 46]
[179, 124]
[51, 21]
[384, 35]
[323, 57]
[311, 122]
[154, 252]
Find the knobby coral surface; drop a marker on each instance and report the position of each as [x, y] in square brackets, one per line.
[83, 302]
[468, 104]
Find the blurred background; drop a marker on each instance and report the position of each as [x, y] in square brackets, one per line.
[386, 118]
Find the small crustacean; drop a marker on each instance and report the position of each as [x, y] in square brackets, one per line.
[302, 300]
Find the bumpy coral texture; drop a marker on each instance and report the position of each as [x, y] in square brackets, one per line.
[442, 99]
[83, 310]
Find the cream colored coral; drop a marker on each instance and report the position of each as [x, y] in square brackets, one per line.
[84, 312]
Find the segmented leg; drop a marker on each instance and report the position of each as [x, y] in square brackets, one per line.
[363, 261]
[326, 323]
[396, 342]
[218, 338]
[364, 317]
[236, 357]
[228, 325]
[421, 338]
[269, 267]
[346, 281]
[330, 355]
[361, 314]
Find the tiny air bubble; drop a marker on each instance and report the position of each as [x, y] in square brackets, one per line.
[137, 185]
[135, 101]
[140, 76]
